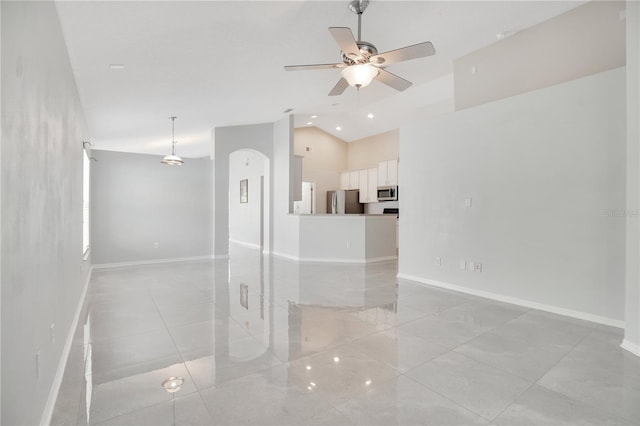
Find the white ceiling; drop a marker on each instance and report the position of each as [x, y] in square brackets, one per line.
[220, 63]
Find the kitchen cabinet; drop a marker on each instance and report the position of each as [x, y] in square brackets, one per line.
[368, 179]
[349, 180]
[388, 173]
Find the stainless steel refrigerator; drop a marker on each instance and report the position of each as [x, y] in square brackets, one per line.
[344, 202]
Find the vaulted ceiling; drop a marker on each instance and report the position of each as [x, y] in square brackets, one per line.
[220, 63]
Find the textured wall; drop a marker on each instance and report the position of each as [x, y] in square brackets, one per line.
[136, 202]
[43, 273]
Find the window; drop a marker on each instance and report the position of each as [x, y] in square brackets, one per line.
[85, 203]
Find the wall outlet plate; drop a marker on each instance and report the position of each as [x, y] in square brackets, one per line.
[438, 261]
[477, 267]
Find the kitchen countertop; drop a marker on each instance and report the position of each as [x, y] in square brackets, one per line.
[345, 215]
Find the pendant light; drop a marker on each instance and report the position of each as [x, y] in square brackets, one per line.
[172, 159]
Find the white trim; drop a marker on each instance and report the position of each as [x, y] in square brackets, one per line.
[62, 364]
[156, 261]
[246, 244]
[286, 256]
[631, 347]
[334, 260]
[515, 301]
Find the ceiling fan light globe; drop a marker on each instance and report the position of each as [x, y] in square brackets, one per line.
[359, 75]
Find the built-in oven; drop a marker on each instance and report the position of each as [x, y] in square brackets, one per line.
[388, 193]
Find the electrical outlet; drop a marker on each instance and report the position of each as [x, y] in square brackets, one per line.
[467, 202]
[477, 267]
[155, 245]
[463, 265]
[348, 244]
[438, 261]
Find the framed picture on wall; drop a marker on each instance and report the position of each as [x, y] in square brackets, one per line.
[244, 191]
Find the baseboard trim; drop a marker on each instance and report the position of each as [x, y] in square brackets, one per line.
[245, 244]
[515, 301]
[334, 260]
[631, 347]
[157, 261]
[64, 357]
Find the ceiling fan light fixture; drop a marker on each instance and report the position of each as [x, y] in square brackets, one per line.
[359, 75]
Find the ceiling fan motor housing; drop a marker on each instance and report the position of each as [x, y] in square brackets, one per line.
[366, 51]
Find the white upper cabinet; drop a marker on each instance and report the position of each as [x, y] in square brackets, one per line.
[368, 180]
[388, 173]
[349, 180]
[363, 179]
[354, 179]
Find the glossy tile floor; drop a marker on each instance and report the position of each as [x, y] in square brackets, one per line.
[266, 341]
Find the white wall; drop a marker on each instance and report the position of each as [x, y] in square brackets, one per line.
[285, 239]
[244, 218]
[136, 202]
[546, 173]
[583, 41]
[256, 137]
[632, 310]
[43, 274]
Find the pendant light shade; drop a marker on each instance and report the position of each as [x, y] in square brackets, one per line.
[359, 75]
[172, 159]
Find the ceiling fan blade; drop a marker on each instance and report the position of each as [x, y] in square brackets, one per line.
[339, 88]
[419, 50]
[312, 67]
[344, 37]
[392, 80]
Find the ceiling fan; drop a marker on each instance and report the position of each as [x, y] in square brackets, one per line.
[361, 61]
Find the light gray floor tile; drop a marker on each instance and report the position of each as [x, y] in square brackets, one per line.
[268, 399]
[539, 406]
[517, 356]
[601, 374]
[134, 392]
[118, 356]
[402, 401]
[400, 350]
[543, 328]
[477, 387]
[175, 316]
[339, 374]
[185, 410]
[269, 358]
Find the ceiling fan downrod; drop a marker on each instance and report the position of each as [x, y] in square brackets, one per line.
[358, 7]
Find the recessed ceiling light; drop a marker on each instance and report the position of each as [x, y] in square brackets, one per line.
[309, 123]
[336, 359]
[370, 115]
[314, 116]
[116, 66]
[338, 128]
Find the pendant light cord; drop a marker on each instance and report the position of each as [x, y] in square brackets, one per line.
[173, 138]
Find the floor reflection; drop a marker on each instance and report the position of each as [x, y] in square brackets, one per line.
[262, 340]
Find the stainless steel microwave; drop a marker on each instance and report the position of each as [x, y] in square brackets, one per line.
[388, 193]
